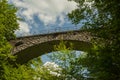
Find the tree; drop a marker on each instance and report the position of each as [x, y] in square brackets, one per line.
[102, 18]
[8, 20]
[8, 24]
[22, 72]
[68, 60]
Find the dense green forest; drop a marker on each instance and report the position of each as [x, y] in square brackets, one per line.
[102, 61]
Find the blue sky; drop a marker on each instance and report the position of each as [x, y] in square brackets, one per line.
[43, 16]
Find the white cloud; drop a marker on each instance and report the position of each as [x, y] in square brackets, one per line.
[46, 10]
[23, 30]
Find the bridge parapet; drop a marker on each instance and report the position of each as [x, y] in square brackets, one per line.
[22, 43]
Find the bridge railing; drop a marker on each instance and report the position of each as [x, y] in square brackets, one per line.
[49, 31]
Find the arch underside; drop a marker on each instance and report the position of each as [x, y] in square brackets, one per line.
[39, 49]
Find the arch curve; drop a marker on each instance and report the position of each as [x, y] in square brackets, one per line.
[39, 49]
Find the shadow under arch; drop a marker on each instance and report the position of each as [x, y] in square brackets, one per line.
[39, 49]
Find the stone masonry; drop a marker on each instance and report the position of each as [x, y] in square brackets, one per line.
[22, 43]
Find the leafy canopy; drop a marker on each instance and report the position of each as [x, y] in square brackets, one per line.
[8, 20]
[102, 18]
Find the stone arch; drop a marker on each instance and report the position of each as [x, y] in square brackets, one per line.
[39, 49]
[22, 43]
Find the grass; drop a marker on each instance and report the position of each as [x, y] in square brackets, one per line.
[37, 50]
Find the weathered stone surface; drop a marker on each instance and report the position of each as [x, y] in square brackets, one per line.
[37, 39]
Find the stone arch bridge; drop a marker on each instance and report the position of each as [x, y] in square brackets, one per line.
[24, 43]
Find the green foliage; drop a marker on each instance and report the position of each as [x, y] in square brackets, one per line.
[8, 25]
[21, 73]
[8, 20]
[103, 61]
[68, 60]
[5, 50]
[42, 71]
[62, 47]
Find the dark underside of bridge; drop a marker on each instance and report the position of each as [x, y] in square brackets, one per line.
[35, 51]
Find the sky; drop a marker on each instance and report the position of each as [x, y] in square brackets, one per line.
[43, 16]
